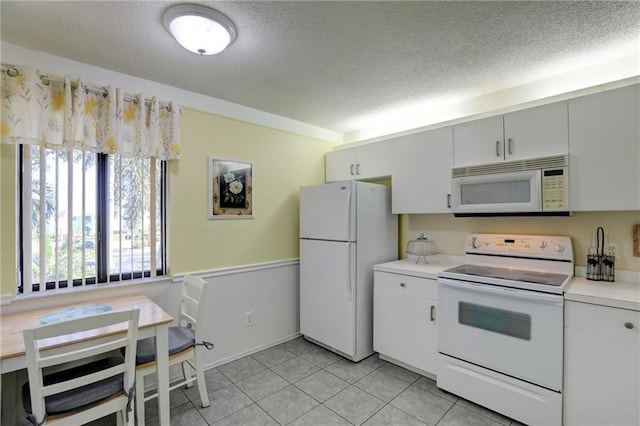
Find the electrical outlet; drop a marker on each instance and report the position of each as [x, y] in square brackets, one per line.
[612, 250]
[248, 321]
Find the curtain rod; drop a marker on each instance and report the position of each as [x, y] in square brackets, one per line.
[13, 71]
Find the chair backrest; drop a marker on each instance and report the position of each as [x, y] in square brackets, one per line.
[194, 292]
[67, 342]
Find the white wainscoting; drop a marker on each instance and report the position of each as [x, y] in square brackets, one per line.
[270, 290]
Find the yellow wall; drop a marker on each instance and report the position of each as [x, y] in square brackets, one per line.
[449, 232]
[7, 219]
[282, 163]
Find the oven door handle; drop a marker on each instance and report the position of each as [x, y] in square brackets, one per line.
[551, 299]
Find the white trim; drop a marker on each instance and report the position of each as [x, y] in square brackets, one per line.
[151, 385]
[18, 55]
[113, 286]
[6, 299]
[233, 270]
[251, 351]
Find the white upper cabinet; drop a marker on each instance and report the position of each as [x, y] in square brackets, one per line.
[421, 181]
[339, 165]
[535, 132]
[604, 133]
[478, 142]
[362, 162]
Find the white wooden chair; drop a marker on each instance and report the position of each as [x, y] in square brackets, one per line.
[186, 346]
[76, 393]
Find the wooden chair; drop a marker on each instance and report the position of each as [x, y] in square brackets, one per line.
[186, 346]
[76, 393]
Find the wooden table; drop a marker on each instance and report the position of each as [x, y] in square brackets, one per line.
[153, 322]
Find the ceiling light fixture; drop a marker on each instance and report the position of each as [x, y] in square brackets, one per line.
[199, 29]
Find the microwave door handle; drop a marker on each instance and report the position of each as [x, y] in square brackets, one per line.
[551, 299]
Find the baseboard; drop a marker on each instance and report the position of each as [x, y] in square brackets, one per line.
[251, 351]
[151, 384]
[407, 366]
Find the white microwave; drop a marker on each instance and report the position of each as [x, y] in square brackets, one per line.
[526, 188]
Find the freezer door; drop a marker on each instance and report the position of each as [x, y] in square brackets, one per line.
[327, 293]
[327, 212]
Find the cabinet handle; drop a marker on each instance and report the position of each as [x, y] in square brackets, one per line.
[432, 314]
[448, 201]
[352, 170]
[498, 149]
[358, 168]
[628, 325]
[403, 285]
[510, 146]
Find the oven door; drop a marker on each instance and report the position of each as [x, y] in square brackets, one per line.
[511, 331]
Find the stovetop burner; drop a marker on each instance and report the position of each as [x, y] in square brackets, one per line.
[542, 263]
[544, 278]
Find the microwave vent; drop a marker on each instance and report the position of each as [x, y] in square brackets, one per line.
[512, 166]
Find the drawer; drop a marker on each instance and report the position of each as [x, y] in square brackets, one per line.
[616, 322]
[414, 286]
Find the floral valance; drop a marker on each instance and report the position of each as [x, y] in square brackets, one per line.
[61, 113]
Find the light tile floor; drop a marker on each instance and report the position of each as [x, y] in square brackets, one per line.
[298, 383]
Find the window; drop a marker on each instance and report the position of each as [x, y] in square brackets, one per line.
[89, 218]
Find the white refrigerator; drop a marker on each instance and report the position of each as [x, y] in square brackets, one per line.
[345, 228]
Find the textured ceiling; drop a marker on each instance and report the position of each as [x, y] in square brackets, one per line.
[329, 63]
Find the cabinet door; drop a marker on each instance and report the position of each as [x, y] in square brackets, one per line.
[402, 324]
[340, 165]
[421, 179]
[604, 149]
[374, 160]
[537, 132]
[602, 371]
[478, 142]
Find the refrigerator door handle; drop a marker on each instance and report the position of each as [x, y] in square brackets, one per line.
[352, 272]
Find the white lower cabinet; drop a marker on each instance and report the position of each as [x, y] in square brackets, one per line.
[602, 365]
[404, 323]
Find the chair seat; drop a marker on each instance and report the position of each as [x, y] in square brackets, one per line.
[180, 338]
[82, 397]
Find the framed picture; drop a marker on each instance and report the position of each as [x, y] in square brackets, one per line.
[230, 189]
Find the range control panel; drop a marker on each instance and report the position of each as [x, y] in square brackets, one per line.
[534, 246]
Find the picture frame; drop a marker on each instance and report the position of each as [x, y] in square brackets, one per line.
[230, 188]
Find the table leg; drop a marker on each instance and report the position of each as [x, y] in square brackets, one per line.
[162, 359]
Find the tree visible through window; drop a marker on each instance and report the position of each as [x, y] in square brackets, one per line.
[89, 218]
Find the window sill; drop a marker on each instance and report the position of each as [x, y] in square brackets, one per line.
[87, 292]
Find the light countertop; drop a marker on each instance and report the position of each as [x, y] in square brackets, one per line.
[409, 267]
[625, 295]
[618, 294]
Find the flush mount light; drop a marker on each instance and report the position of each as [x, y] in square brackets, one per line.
[199, 29]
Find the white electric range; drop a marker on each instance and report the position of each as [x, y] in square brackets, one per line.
[500, 324]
